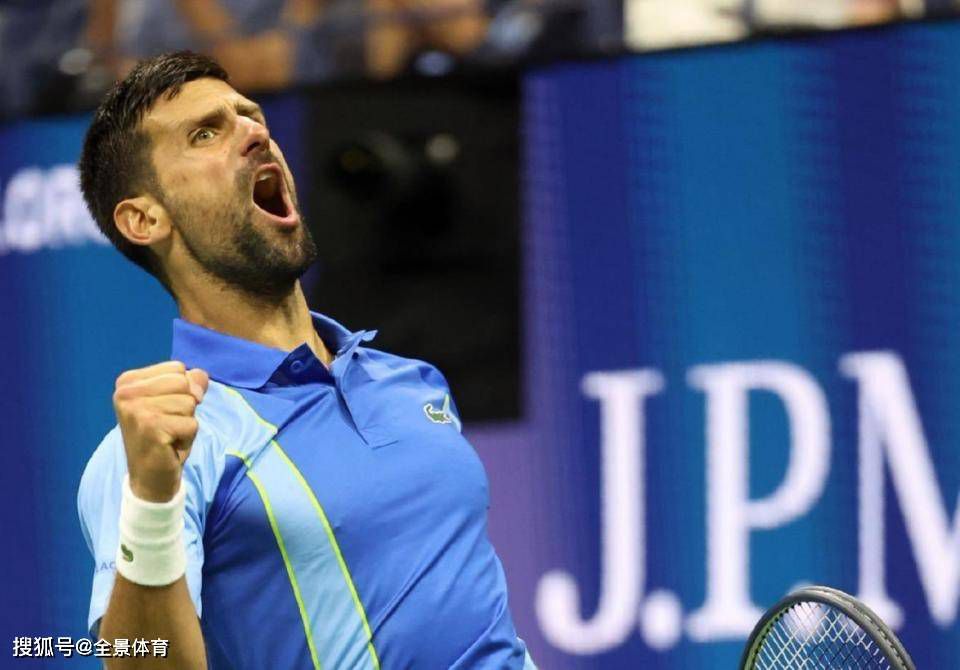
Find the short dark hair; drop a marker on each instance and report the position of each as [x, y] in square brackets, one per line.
[115, 162]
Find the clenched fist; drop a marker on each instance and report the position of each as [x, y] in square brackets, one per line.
[155, 409]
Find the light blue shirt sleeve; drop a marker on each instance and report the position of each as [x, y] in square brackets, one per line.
[98, 502]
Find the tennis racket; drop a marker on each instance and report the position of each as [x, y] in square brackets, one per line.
[819, 628]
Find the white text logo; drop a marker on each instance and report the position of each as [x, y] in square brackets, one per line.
[889, 433]
[44, 209]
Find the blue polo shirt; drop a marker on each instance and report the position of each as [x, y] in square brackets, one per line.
[335, 518]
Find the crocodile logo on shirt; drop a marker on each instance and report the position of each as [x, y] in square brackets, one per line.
[127, 554]
[442, 415]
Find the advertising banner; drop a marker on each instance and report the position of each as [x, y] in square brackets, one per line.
[742, 308]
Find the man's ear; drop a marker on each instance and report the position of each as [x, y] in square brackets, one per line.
[142, 220]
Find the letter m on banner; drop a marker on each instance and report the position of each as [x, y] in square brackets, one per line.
[889, 426]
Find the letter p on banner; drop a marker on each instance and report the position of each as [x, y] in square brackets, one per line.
[729, 612]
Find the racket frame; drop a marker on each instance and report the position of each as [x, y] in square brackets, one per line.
[859, 613]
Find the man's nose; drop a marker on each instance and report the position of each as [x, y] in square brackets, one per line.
[257, 136]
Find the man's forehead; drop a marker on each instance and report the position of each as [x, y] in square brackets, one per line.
[196, 97]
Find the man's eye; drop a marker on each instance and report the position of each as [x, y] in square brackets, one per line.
[203, 134]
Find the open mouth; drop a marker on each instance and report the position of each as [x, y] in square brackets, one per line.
[269, 192]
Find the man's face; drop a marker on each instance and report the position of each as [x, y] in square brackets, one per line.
[227, 188]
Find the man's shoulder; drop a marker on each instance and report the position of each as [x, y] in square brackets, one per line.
[231, 421]
[421, 378]
[107, 459]
[397, 362]
[223, 413]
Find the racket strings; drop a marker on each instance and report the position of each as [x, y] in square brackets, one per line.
[816, 636]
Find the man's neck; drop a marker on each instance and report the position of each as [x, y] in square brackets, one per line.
[282, 323]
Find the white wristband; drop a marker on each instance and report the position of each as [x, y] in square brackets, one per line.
[151, 550]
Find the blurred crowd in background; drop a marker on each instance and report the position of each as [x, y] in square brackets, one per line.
[60, 55]
[657, 24]
[57, 54]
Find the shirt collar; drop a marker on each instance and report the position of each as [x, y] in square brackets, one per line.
[245, 364]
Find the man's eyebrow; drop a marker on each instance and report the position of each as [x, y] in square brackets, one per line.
[207, 119]
[248, 108]
[217, 115]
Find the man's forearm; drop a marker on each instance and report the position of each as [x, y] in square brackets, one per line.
[155, 612]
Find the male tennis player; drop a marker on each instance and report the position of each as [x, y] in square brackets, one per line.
[277, 495]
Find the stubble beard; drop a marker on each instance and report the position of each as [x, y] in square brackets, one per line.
[244, 258]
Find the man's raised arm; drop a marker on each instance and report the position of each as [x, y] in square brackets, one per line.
[155, 409]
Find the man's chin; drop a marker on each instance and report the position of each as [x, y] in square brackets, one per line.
[272, 266]
[274, 282]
